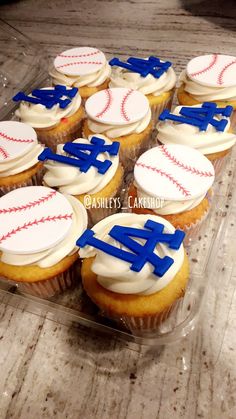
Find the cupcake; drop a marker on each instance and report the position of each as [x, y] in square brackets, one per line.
[19, 151]
[209, 78]
[98, 185]
[149, 269]
[84, 67]
[54, 112]
[151, 76]
[204, 127]
[38, 232]
[173, 181]
[121, 115]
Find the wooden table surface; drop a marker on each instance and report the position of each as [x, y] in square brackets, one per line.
[53, 371]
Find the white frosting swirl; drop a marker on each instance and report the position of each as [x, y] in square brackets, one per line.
[115, 131]
[19, 164]
[208, 142]
[121, 77]
[204, 93]
[69, 179]
[121, 278]
[67, 246]
[89, 80]
[167, 207]
[38, 116]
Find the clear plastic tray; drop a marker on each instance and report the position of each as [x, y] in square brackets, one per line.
[23, 67]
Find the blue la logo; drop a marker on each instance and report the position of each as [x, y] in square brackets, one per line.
[200, 117]
[151, 65]
[49, 97]
[85, 155]
[139, 254]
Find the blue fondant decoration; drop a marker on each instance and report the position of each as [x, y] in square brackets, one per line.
[49, 97]
[200, 117]
[139, 253]
[85, 155]
[151, 65]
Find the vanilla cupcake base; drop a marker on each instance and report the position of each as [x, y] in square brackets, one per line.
[189, 221]
[148, 325]
[159, 103]
[43, 282]
[139, 313]
[86, 91]
[34, 180]
[67, 130]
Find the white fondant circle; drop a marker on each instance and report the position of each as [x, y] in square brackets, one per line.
[16, 139]
[213, 70]
[117, 106]
[80, 61]
[174, 172]
[33, 219]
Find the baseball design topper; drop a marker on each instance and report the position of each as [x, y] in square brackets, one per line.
[213, 70]
[33, 219]
[174, 172]
[16, 139]
[117, 106]
[80, 61]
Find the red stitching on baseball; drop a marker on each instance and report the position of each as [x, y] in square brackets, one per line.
[220, 77]
[214, 59]
[29, 205]
[80, 55]
[178, 185]
[79, 62]
[17, 140]
[183, 166]
[124, 100]
[4, 153]
[33, 223]
[107, 105]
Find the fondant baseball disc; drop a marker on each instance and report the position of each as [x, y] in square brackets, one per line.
[174, 172]
[213, 70]
[117, 106]
[33, 219]
[16, 139]
[80, 61]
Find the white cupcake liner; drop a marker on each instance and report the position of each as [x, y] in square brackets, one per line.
[35, 180]
[158, 109]
[128, 156]
[53, 139]
[52, 286]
